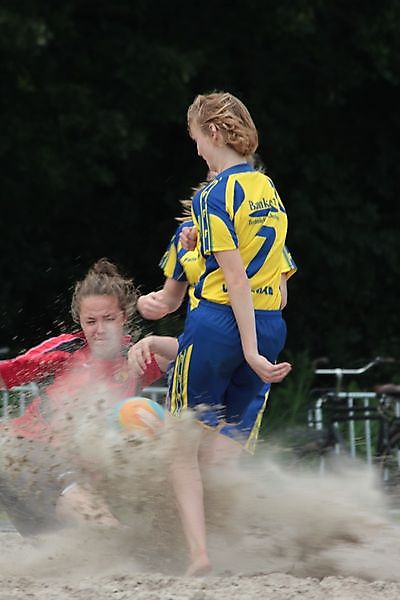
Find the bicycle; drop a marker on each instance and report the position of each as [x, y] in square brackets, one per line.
[335, 418]
[388, 444]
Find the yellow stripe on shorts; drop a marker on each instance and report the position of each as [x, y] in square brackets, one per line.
[179, 400]
[250, 445]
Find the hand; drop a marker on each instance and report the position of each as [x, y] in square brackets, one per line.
[152, 307]
[139, 355]
[188, 238]
[267, 371]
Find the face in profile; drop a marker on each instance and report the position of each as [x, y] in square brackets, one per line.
[102, 322]
[205, 144]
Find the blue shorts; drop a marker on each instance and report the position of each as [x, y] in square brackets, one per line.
[247, 429]
[211, 374]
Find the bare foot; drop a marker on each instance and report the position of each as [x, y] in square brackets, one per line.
[199, 566]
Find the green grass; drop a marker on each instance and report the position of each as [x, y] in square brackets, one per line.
[288, 401]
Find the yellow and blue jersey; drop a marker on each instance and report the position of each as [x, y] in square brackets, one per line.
[241, 209]
[288, 265]
[182, 265]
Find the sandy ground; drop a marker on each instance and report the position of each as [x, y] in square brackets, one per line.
[150, 586]
[274, 532]
[74, 567]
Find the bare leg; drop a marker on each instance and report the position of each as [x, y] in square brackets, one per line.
[79, 506]
[188, 487]
[219, 462]
[218, 450]
[198, 449]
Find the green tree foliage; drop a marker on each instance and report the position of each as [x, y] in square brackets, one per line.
[95, 155]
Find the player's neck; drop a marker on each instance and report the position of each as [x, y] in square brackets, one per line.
[229, 158]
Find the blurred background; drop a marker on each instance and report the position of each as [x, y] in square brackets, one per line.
[95, 155]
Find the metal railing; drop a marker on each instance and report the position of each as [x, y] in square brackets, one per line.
[156, 393]
[353, 417]
[13, 401]
[352, 420]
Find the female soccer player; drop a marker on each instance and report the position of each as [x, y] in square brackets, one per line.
[232, 339]
[241, 222]
[66, 369]
[182, 270]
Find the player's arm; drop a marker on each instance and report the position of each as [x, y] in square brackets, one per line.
[40, 361]
[283, 290]
[152, 307]
[164, 348]
[173, 293]
[27, 368]
[239, 293]
[162, 362]
[155, 305]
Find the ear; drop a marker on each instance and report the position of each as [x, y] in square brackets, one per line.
[213, 130]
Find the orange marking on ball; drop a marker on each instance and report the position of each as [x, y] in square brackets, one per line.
[140, 414]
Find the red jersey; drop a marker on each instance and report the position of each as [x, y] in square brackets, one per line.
[62, 367]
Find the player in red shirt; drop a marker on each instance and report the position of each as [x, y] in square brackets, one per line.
[36, 495]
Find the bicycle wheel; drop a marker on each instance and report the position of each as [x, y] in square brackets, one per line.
[305, 447]
[390, 468]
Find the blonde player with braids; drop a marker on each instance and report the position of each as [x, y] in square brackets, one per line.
[233, 337]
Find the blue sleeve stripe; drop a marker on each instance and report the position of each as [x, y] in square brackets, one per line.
[238, 197]
[178, 273]
[205, 230]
